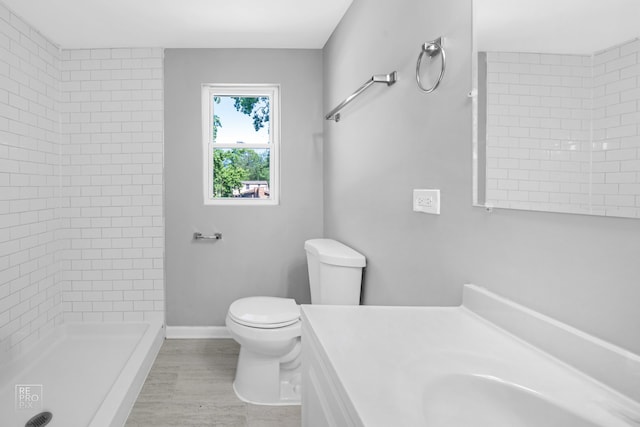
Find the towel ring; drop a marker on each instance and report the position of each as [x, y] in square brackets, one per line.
[432, 48]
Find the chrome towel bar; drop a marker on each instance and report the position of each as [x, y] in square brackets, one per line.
[389, 79]
[432, 48]
[200, 236]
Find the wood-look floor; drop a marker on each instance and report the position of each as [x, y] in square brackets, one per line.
[190, 384]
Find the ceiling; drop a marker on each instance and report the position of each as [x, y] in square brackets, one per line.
[561, 26]
[555, 26]
[183, 23]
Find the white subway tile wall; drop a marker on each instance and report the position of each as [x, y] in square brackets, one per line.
[538, 131]
[30, 290]
[112, 147]
[563, 131]
[81, 194]
[616, 142]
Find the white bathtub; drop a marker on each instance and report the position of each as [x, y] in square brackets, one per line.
[85, 374]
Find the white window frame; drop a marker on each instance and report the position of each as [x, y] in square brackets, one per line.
[247, 90]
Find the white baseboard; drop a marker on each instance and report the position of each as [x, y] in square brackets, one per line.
[197, 332]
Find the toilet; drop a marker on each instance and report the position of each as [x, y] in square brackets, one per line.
[268, 328]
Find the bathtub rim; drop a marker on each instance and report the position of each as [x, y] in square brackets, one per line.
[117, 405]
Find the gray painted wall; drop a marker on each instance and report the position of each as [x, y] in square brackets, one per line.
[262, 250]
[582, 270]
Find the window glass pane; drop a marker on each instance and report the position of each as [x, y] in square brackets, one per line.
[240, 134]
[241, 119]
[241, 173]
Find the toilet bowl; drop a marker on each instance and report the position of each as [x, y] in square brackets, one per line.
[268, 328]
[268, 331]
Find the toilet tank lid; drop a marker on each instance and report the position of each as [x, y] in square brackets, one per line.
[332, 252]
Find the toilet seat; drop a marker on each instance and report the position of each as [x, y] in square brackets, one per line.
[265, 312]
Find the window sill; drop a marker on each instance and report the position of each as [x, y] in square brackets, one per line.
[245, 202]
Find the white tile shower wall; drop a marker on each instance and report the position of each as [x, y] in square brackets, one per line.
[616, 143]
[538, 130]
[541, 152]
[112, 193]
[30, 294]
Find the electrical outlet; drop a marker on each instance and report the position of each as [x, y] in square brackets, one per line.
[427, 201]
[424, 201]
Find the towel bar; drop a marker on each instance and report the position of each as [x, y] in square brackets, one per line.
[389, 79]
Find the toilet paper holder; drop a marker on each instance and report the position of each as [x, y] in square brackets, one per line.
[200, 236]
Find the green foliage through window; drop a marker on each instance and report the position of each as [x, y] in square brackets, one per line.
[241, 140]
[257, 108]
[234, 166]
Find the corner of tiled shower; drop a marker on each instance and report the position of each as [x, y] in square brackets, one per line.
[81, 195]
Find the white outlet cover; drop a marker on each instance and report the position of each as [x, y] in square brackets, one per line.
[426, 201]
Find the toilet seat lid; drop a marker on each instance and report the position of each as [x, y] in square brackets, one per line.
[265, 312]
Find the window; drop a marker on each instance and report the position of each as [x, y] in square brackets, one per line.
[240, 129]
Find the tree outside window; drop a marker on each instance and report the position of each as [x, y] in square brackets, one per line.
[242, 143]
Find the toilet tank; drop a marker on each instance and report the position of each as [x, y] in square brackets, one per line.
[335, 272]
